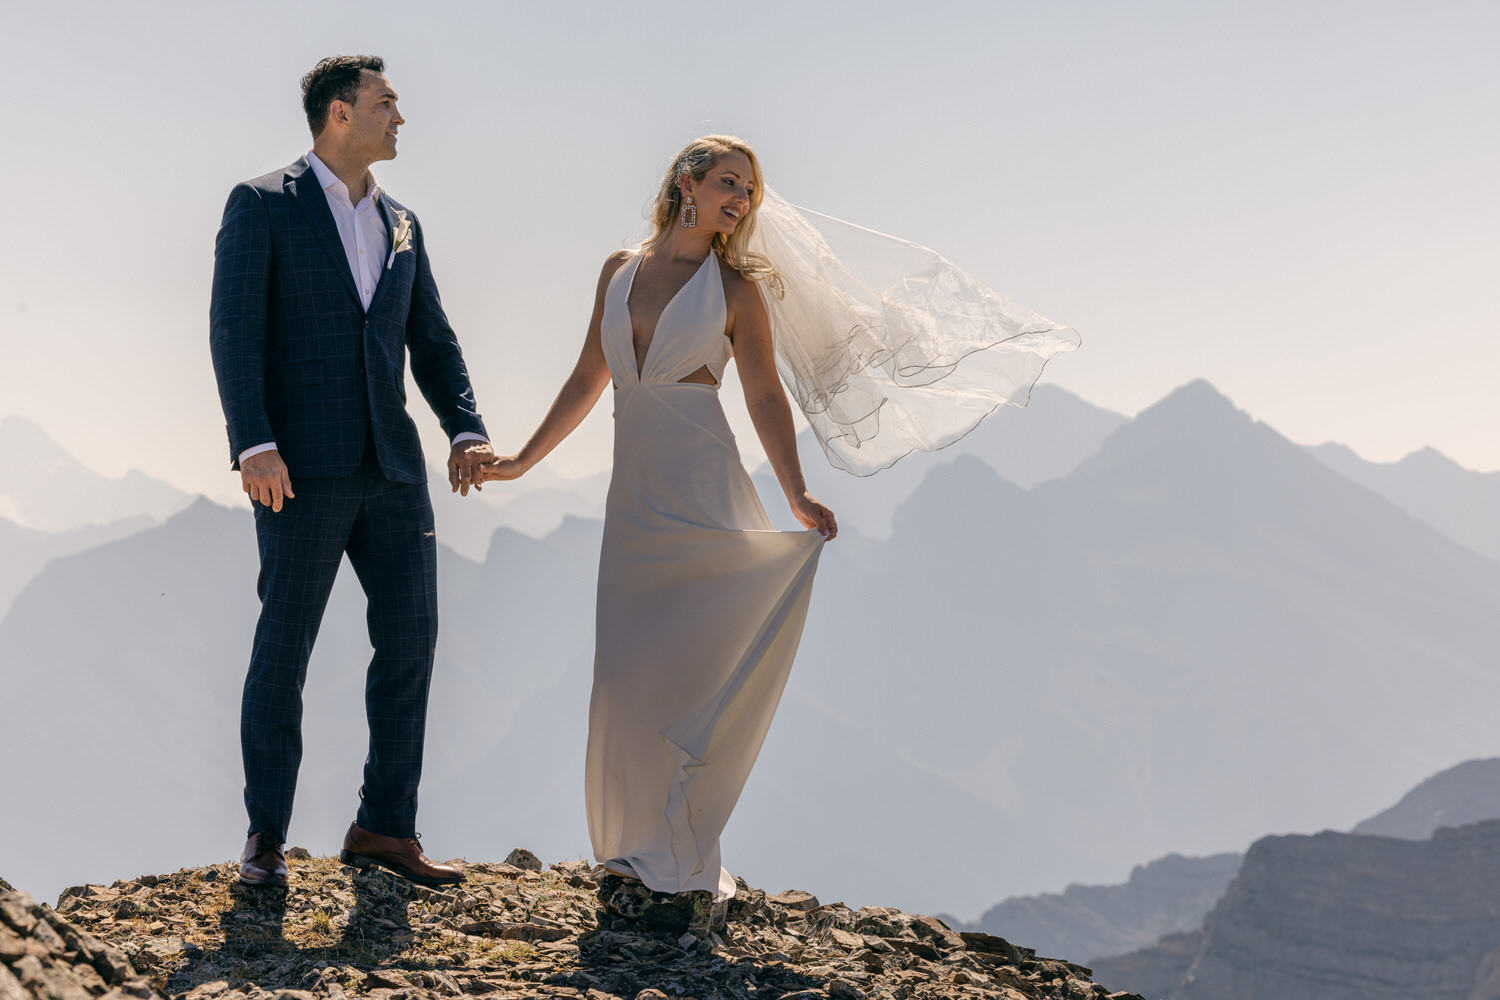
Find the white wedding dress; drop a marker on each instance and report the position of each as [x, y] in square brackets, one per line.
[700, 604]
[887, 348]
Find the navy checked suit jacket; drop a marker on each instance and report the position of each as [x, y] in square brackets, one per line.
[298, 359]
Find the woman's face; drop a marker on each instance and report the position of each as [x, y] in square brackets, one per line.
[722, 196]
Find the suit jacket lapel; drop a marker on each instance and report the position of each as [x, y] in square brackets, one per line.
[388, 213]
[302, 184]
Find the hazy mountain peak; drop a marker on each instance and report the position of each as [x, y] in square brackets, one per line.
[1187, 405]
[1430, 461]
[967, 485]
[1334, 454]
[44, 487]
[1465, 793]
[1196, 438]
[967, 470]
[25, 445]
[1431, 487]
[1426, 460]
[200, 509]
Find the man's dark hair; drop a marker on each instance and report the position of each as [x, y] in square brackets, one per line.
[336, 78]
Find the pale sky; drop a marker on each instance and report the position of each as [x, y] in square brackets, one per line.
[1297, 201]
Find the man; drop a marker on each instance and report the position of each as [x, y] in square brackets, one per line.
[321, 286]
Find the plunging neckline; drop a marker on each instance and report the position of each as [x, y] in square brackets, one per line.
[640, 365]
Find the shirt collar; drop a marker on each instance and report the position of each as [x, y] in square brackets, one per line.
[328, 180]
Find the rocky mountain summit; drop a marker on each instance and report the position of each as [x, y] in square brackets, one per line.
[511, 930]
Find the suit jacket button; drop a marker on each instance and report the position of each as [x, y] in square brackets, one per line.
[361, 369]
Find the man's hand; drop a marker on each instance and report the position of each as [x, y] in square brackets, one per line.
[464, 463]
[265, 478]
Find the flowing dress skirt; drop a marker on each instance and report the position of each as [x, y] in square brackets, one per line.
[700, 609]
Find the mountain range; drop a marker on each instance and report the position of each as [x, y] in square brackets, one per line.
[1432, 487]
[1161, 907]
[1170, 895]
[1176, 639]
[1339, 916]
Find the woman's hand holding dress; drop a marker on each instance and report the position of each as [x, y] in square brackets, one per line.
[812, 514]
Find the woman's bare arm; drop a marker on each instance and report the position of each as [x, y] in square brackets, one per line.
[750, 330]
[576, 398]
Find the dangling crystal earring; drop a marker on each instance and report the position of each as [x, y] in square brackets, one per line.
[689, 214]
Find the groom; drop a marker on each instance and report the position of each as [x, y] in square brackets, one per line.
[321, 287]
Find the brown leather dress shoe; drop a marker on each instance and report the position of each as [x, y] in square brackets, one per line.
[363, 849]
[262, 862]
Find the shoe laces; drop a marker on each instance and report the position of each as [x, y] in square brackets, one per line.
[267, 841]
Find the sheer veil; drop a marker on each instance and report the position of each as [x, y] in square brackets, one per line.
[886, 346]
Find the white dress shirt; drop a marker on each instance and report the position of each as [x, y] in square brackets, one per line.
[366, 240]
[361, 228]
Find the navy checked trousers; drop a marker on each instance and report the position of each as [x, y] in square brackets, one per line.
[387, 530]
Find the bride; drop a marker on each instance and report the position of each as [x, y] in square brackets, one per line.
[701, 603]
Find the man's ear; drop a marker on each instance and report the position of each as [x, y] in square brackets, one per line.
[340, 113]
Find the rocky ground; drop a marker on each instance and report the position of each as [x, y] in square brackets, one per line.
[43, 955]
[511, 930]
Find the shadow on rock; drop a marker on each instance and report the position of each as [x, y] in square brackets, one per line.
[253, 922]
[363, 928]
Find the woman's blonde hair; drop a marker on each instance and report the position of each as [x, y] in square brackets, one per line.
[696, 159]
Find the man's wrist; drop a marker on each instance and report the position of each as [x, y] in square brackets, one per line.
[258, 449]
[459, 439]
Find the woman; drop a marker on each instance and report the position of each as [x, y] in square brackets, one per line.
[887, 348]
[700, 602]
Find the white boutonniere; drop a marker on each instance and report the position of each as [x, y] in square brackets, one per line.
[400, 237]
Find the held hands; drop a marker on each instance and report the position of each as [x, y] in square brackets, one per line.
[265, 478]
[814, 515]
[504, 468]
[465, 464]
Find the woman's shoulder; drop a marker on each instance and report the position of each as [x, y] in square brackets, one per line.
[737, 287]
[735, 282]
[613, 263]
[616, 260]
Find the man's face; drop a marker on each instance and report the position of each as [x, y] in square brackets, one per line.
[373, 119]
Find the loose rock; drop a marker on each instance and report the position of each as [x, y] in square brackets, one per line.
[795, 899]
[525, 860]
